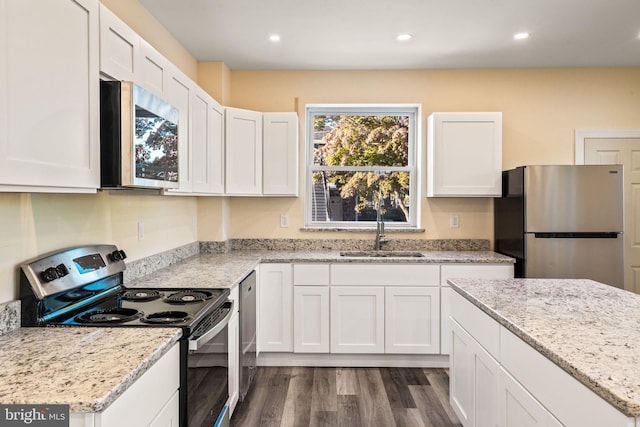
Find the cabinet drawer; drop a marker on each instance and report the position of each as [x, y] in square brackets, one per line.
[477, 323]
[311, 274]
[385, 274]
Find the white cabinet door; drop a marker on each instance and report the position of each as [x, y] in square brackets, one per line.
[357, 319]
[216, 147]
[178, 95]
[474, 380]
[311, 319]
[280, 154]
[234, 361]
[275, 296]
[119, 47]
[412, 320]
[445, 320]
[461, 386]
[199, 139]
[464, 154]
[153, 72]
[169, 415]
[243, 152]
[49, 114]
[518, 408]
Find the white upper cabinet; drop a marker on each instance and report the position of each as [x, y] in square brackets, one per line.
[243, 152]
[179, 95]
[207, 144]
[49, 109]
[119, 47]
[464, 155]
[153, 72]
[280, 154]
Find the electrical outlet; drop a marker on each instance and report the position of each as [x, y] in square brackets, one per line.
[454, 221]
[140, 230]
[284, 220]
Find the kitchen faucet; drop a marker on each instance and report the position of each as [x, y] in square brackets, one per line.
[380, 237]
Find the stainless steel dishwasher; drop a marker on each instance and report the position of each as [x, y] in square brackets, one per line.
[247, 333]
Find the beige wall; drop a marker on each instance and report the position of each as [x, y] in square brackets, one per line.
[541, 109]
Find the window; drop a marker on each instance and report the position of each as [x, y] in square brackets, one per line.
[361, 163]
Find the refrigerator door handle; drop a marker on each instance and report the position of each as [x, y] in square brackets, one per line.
[583, 235]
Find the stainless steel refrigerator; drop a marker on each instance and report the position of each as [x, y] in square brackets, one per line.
[562, 221]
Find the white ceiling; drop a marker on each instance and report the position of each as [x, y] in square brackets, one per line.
[361, 34]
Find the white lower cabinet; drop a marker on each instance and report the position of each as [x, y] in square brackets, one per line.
[311, 319]
[474, 377]
[412, 319]
[275, 300]
[357, 319]
[519, 408]
[498, 380]
[152, 400]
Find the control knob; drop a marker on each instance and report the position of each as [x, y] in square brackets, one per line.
[49, 274]
[117, 255]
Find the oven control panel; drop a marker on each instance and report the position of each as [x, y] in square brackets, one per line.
[63, 270]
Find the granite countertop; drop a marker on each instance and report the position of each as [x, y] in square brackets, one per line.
[75, 366]
[589, 329]
[228, 269]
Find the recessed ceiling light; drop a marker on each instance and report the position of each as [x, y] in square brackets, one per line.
[404, 37]
[274, 38]
[521, 36]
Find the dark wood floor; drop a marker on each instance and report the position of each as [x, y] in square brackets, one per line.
[349, 397]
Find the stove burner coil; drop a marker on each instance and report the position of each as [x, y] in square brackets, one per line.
[166, 317]
[182, 297]
[141, 295]
[110, 315]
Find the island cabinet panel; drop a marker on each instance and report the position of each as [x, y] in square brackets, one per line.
[275, 308]
[518, 383]
[569, 400]
[474, 378]
[476, 271]
[49, 107]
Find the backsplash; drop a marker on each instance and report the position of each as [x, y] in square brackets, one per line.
[144, 266]
[360, 244]
[9, 316]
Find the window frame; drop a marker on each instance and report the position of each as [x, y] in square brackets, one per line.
[414, 111]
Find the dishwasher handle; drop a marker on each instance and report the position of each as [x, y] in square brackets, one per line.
[196, 343]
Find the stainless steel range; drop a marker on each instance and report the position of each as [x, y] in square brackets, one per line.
[83, 287]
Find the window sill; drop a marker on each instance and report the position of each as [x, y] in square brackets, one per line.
[387, 230]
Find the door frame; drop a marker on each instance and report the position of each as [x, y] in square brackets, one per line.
[582, 134]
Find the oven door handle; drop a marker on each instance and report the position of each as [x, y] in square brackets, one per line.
[195, 344]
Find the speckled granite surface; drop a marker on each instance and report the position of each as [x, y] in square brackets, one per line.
[228, 269]
[9, 316]
[75, 366]
[590, 330]
[391, 244]
[155, 262]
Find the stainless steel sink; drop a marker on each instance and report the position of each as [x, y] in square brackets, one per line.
[382, 254]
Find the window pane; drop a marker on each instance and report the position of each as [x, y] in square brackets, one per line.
[354, 196]
[361, 140]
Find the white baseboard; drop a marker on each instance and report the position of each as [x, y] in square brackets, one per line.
[354, 360]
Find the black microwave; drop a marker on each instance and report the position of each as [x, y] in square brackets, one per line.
[138, 138]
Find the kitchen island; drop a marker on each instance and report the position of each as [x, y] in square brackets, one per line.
[559, 351]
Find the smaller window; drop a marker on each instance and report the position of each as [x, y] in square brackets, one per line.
[361, 161]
